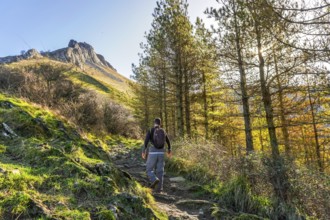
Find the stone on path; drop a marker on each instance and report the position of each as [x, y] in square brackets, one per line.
[193, 202]
[177, 179]
[164, 197]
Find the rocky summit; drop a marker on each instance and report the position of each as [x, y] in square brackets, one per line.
[30, 54]
[78, 53]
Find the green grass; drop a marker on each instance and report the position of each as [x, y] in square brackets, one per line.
[49, 173]
[88, 80]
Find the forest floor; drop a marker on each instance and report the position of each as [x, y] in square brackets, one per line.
[180, 199]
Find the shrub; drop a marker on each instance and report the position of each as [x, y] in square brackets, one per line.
[118, 120]
[10, 80]
[47, 85]
[311, 191]
[237, 196]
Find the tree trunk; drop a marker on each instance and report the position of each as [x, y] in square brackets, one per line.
[160, 98]
[316, 135]
[283, 119]
[279, 176]
[187, 104]
[245, 97]
[165, 102]
[267, 100]
[146, 111]
[206, 120]
[179, 98]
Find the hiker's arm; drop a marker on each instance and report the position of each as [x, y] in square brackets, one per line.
[168, 144]
[146, 141]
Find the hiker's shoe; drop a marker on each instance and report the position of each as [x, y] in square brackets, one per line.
[154, 183]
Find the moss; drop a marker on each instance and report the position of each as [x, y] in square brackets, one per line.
[16, 204]
[67, 175]
[106, 215]
[74, 214]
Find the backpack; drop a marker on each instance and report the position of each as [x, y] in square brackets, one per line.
[159, 138]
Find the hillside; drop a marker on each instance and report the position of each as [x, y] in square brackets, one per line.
[49, 170]
[85, 65]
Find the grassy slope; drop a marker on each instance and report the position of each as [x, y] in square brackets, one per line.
[51, 171]
[96, 79]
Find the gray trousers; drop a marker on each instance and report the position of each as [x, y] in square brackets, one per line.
[155, 168]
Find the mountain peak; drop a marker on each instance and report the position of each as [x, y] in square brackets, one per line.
[72, 43]
[78, 53]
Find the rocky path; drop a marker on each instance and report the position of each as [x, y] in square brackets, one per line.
[179, 199]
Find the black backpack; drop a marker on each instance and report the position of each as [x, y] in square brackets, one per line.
[158, 137]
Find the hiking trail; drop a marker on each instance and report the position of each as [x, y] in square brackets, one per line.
[179, 199]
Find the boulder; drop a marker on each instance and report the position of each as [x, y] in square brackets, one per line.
[6, 131]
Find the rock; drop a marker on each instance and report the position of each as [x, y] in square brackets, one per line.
[77, 53]
[177, 179]
[201, 213]
[102, 169]
[164, 197]
[80, 54]
[190, 202]
[37, 209]
[113, 209]
[2, 170]
[16, 172]
[7, 131]
[6, 104]
[72, 43]
[30, 54]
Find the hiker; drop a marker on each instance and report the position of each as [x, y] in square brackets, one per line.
[155, 158]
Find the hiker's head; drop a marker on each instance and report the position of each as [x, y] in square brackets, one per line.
[157, 122]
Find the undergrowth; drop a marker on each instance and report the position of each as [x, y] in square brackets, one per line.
[242, 188]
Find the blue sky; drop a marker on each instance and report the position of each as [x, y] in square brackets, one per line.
[114, 28]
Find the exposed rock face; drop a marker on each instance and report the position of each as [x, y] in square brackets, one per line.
[30, 54]
[77, 53]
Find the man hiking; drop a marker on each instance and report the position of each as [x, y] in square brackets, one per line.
[155, 162]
